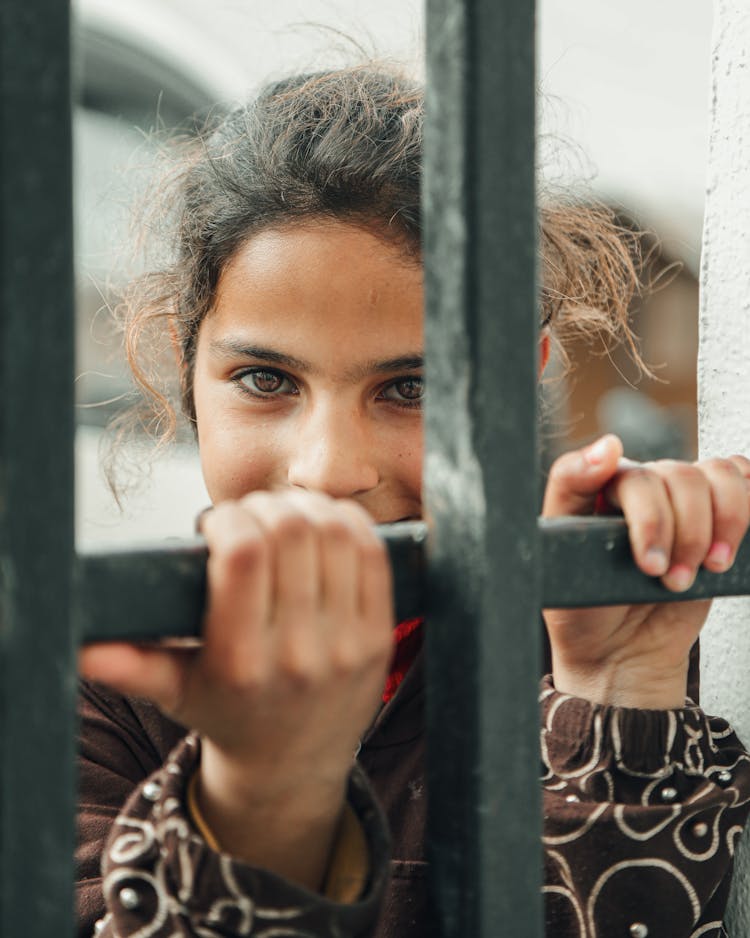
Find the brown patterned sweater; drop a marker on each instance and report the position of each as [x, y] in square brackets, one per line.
[642, 810]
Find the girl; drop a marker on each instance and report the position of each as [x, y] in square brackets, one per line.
[251, 785]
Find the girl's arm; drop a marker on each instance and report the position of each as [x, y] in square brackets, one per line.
[644, 796]
[680, 517]
[297, 640]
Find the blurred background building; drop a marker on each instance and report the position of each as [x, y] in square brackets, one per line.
[623, 116]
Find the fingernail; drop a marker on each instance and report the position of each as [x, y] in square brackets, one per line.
[596, 452]
[679, 578]
[720, 555]
[656, 561]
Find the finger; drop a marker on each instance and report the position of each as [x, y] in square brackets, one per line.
[731, 511]
[139, 671]
[355, 638]
[298, 635]
[237, 622]
[295, 568]
[641, 495]
[338, 541]
[690, 495]
[376, 585]
[576, 478]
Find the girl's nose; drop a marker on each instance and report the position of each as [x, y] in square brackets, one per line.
[334, 453]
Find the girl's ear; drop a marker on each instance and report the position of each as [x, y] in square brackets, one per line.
[544, 347]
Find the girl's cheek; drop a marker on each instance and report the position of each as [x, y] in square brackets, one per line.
[235, 465]
[411, 462]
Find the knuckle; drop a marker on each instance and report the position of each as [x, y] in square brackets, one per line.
[640, 475]
[302, 595]
[299, 670]
[237, 676]
[727, 518]
[652, 527]
[335, 530]
[291, 526]
[241, 551]
[731, 527]
[645, 474]
[346, 658]
[731, 505]
[692, 547]
[723, 467]
[686, 473]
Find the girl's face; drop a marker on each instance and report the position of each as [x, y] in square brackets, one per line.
[308, 370]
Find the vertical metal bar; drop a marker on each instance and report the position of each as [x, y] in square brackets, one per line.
[37, 675]
[480, 468]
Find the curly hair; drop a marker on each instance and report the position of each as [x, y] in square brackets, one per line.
[344, 144]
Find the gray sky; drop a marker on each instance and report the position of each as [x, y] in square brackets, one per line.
[626, 81]
[629, 80]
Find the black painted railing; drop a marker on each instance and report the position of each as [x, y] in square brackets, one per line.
[485, 568]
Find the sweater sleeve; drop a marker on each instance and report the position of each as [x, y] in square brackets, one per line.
[160, 877]
[642, 812]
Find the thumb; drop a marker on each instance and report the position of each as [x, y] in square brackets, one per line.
[576, 479]
[138, 671]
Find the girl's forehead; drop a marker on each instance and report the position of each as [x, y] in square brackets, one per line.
[298, 251]
[319, 292]
[329, 274]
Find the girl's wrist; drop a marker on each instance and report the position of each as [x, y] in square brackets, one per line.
[266, 786]
[624, 686]
[284, 824]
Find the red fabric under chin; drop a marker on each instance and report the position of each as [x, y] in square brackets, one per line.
[409, 636]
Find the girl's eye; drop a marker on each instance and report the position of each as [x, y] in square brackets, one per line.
[408, 392]
[264, 382]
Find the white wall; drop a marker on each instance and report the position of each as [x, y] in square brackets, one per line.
[724, 366]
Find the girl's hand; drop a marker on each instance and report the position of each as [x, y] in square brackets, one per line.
[680, 516]
[297, 639]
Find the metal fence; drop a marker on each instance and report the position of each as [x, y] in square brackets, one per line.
[489, 567]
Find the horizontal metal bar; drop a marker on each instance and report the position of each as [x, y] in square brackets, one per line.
[140, 594]
[588, 562]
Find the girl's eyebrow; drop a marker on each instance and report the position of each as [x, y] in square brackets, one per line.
[236, 348]
[410, 362]
[232, 348]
